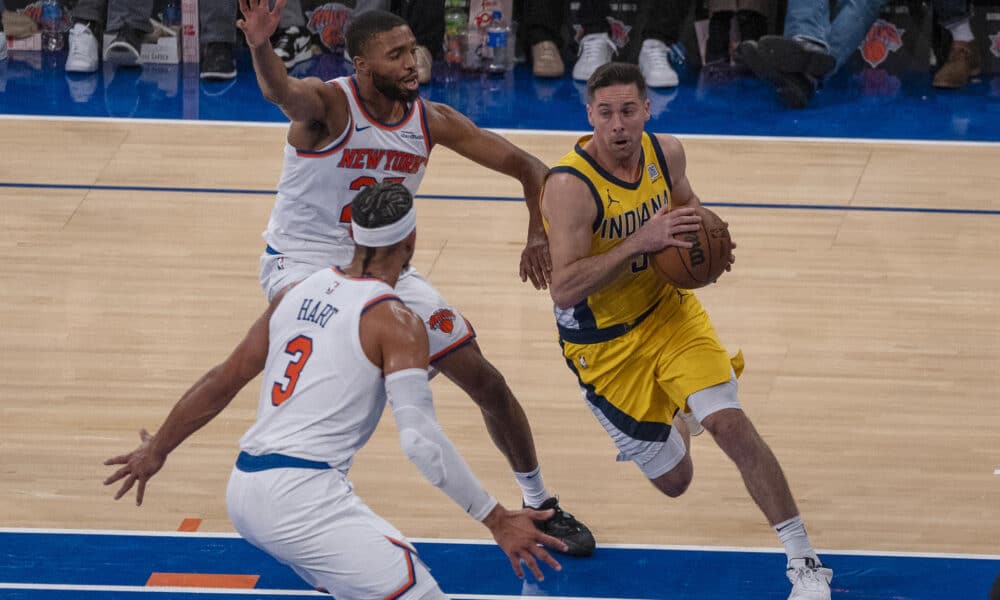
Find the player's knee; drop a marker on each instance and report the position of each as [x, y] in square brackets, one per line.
[676, 481]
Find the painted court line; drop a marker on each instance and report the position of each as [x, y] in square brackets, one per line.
[202, 580]
[242, 592]
[417, 540]
[758, 205]
[507, 131]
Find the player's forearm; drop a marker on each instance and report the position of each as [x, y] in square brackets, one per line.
[272, 77]
[574, 282]
[199, 405]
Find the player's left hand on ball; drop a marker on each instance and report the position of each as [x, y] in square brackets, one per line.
[140, 464]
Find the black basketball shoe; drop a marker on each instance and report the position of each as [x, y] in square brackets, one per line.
[564, 526]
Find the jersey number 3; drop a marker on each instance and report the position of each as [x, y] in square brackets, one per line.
[301, 349]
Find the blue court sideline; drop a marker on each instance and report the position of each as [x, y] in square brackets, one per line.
[112, 565]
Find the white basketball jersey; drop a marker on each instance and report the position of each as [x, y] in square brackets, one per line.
[312, 211]
[321, 398]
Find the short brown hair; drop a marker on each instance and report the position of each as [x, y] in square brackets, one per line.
[616, 73]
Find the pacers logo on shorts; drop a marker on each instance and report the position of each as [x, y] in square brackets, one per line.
[442, 320]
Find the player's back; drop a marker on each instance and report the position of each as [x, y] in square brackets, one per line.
[321, 397]
[312, 210]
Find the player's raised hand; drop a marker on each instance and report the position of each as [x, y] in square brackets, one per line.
[140, 464]
[536, 264]
[516, 534]
[259, 22]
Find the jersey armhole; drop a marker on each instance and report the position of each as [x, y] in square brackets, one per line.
[661, 158]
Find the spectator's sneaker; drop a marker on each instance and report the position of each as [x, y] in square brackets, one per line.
[217, 62]
[962, 65]
[424, 63]
[797, 56]
[596, 49]
[124, 51]
[3, 46]
[82, 56]
[565, 527]
[794, 89]
[810, 579]
[292, 45]
[655, 65]
[545, 60]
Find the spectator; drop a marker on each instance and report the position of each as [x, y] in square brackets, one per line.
[542, 25]
[129, 21]
[661, 30]
[813, 47]
[751, 21]
[963, 58]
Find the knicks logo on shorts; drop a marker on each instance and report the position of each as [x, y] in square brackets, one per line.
[442, 320]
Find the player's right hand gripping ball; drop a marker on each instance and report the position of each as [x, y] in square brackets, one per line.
[701, 264]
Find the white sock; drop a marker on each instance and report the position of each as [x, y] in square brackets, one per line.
[960, 31]
[532, 487]
[792, 534]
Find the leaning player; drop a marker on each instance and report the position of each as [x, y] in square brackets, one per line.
[644, 351]
[334, 347]
[351, 132]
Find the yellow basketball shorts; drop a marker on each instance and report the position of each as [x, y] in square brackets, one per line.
[640, 379]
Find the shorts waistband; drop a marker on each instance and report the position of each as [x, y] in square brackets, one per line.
[595, 336]
[248, 463]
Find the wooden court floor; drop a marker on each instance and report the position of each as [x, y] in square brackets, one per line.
[872, 337]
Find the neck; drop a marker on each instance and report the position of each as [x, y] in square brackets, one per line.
[386, 267]
[627, 168]
[379, 105]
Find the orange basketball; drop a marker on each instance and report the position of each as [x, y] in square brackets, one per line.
[701, 264]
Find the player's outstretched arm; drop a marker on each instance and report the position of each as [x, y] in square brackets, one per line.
[454, 130]
[570, 210]
[299, 99]
[395, 339]
[199, 405]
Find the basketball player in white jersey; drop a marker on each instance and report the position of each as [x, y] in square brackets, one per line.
[352, 132]
[333, 348]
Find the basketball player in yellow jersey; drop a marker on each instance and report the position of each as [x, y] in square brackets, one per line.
[643, 351]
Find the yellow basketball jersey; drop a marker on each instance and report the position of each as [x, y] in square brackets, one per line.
[622, 207]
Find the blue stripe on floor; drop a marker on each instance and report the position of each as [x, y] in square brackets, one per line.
[482, 569]
[758, 205]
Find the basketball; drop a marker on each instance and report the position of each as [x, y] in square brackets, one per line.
[701, 264]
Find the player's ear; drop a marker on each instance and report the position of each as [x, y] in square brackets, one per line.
[646, 105]
[590, 114]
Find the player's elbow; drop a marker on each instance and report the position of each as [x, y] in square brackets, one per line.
[562, 295]
[424, 454]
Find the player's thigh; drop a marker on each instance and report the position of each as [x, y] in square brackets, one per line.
[691, 357]
[447, 329]
[620, 388]
[278, 271]
[313, 522]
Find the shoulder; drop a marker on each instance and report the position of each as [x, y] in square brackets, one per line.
[670, 145]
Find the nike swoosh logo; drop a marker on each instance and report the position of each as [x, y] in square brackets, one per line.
[356, 128]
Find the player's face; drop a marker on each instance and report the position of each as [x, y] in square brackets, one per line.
[391, 57]
[618, 114]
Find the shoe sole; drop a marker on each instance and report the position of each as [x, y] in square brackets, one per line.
[300, 57]
[121, 55]
[218, 76]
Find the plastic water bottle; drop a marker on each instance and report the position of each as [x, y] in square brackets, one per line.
[52, 26]
[455, 23]
[171, 16]
[497, 45]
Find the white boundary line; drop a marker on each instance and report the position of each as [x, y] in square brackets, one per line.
[61, 587]
[539, 132]
[750, 549]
